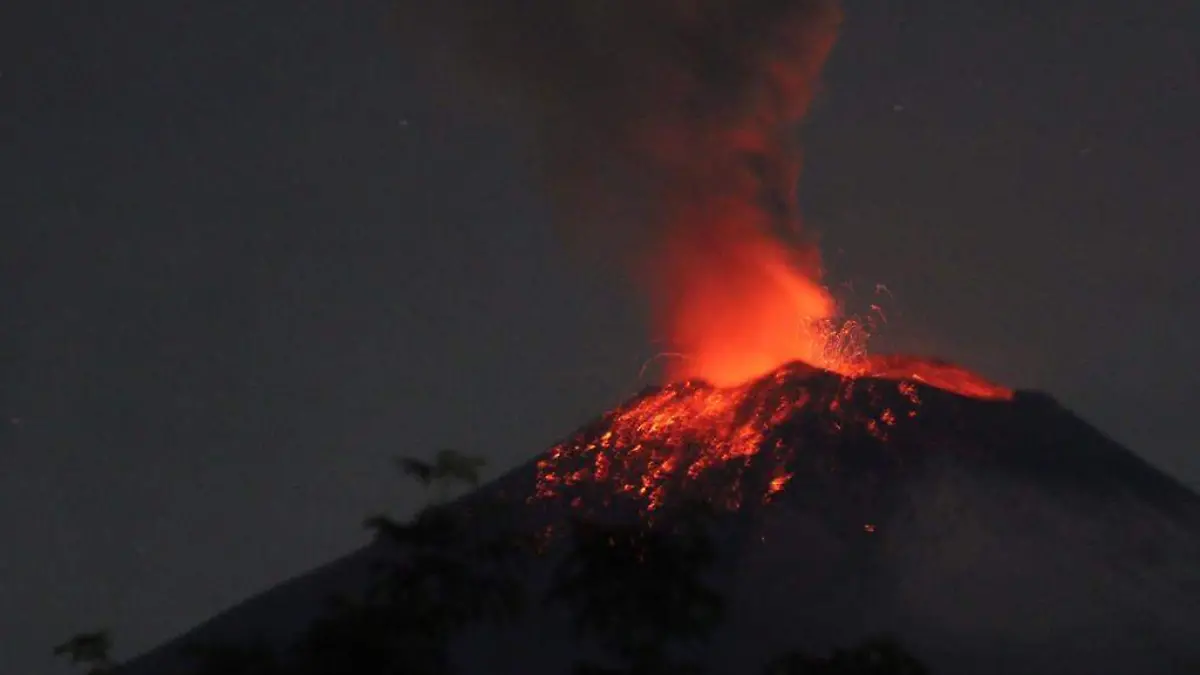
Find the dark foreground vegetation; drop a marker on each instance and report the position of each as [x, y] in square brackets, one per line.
[638, 593]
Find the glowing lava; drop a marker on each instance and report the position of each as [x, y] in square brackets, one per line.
[704, 439]
[935, 373]
[743, 310]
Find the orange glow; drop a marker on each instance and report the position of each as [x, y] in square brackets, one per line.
[753, 326]
[736, 302]
[677, 435]
[757, 343]
[695, 436]
[934, 373]
[744, 308]
[742, 311]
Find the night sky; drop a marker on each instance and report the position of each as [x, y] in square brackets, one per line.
[248, 255]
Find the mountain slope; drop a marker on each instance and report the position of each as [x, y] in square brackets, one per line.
[990, 536]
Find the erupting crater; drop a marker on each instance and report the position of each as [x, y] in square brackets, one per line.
[691, 435]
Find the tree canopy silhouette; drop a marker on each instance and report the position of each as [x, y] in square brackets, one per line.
[91, 650]
[875, 656]
[440, 580]
[639, 589]
[447, 469]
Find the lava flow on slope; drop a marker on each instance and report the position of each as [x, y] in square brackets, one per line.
[696, 436]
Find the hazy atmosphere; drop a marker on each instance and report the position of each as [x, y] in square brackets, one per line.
[252, 251]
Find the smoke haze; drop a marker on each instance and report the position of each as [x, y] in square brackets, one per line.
[666, 133]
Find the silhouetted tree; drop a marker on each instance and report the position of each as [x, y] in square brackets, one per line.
[639, 590]
[441, 579]
[877, 656]
[91, 650]
[448, 469]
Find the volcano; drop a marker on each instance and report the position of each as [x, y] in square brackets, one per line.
[989, 530]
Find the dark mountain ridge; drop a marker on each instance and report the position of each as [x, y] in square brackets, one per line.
[989, 536]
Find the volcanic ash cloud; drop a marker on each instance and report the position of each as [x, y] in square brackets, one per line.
[666, 133]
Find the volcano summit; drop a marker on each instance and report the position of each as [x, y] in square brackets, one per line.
[993, 533]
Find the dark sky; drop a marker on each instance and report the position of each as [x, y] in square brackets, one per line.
[247, 257]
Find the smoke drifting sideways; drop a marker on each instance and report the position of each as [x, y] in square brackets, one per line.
[666, 134]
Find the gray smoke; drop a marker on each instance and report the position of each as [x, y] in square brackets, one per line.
[665, 129]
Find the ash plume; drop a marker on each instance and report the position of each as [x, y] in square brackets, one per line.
[665, 130]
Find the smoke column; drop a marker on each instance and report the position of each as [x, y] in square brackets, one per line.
[666, 133]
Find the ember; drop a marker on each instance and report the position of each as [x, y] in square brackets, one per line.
[694, 436]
